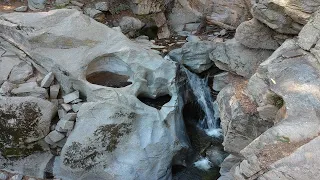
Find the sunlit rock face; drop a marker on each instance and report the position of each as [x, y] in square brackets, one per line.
[289, 81]
[116, 135]
[284, 16]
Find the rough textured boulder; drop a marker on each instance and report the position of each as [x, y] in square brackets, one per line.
[239, 118]
[35, 165]
[228, 13]
[186, 11]
[24, 121]
[129, 131]
[286, 17]
[195, 55]
[6, 65]
[235, 57]
[288, 149]
[112, 73]
[141, 7]
[257, 35]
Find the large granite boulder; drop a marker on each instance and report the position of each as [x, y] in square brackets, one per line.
[186, 11]
[228, 13]
[286, 17]
[195, 55]
[120, 79]
[234, 57]
[254, 34]
[24, 121]
[240, 121]
[288, 149]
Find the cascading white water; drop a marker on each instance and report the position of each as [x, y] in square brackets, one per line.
[202, 92]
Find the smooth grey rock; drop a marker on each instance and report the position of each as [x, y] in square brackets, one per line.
[257, 35]
[184, 12]
[3, 176]
[191, 27]
[129, 24]
[21, 9]
[64, 126]
[16, 177]
[36, 4]
[62, 142]
[61, 113]
[76, 107]
[93, 47]
[55, 136]
[30, 121]
[6, 88]
[163, 32]
[176, 54]
[235, 57]
[220, 81]
[20, 73]
[54, 91]
[71, 96]
[66, 107]
[228, 13]
[47, 80]
[34, 165]
[76, 101]
[195, 55]
[102, 6]
[6, 65]
[30, 89]
[287, 18]
[192, 38]
[69, 117]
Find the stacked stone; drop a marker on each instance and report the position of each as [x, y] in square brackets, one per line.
[69, 106]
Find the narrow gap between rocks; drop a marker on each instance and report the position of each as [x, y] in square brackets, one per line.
[157, 102]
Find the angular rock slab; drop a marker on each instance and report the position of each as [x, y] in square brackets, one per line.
[127, 140]
[257, 35]
[24, 120]
[230, 13]
[237, 58]
[195, 55]
[287, 17]
[35, 165]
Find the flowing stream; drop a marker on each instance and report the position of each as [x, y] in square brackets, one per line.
[202, 92]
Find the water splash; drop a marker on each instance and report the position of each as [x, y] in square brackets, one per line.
[202, 92]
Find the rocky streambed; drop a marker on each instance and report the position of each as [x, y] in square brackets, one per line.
[165, 90]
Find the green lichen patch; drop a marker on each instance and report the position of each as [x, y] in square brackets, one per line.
[105, 139]
[110, 135]
[17, 123]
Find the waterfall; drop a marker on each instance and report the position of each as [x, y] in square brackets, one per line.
[202, 92]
